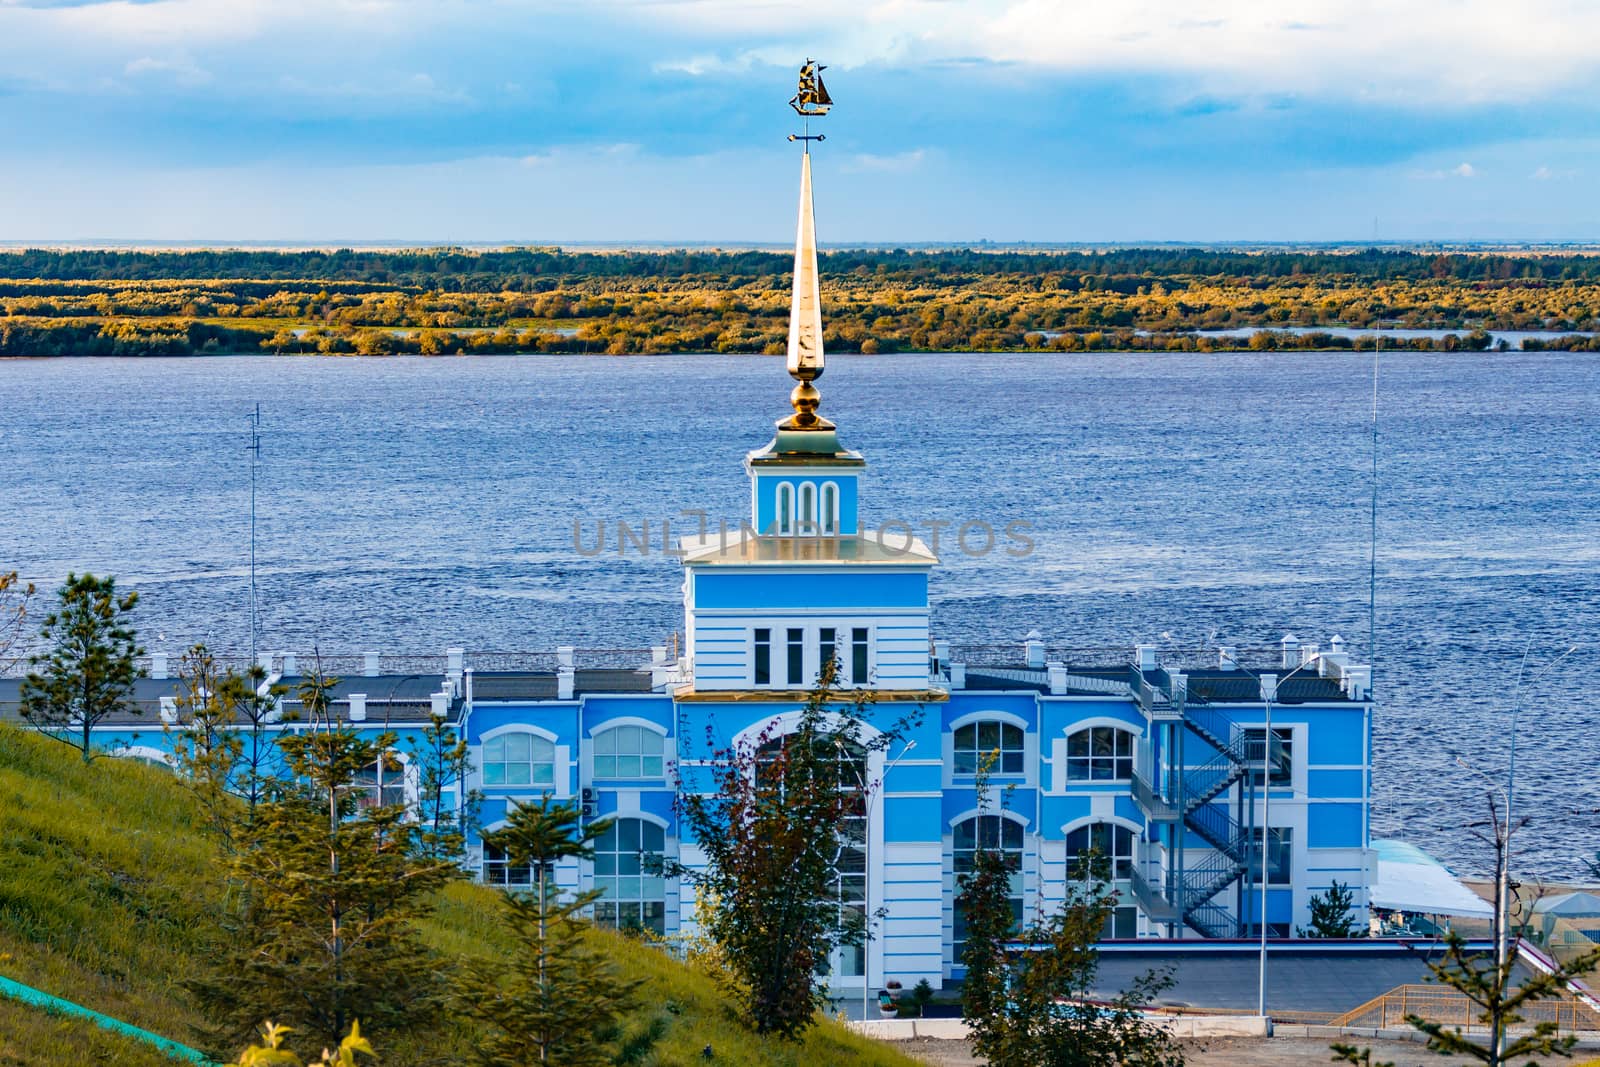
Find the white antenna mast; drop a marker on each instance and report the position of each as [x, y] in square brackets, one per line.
[255, 458]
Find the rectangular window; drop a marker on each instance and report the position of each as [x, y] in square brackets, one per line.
[1282, 755]
[763, 657]
[827, 642]
[797, 656]
[858, 656]
[1280, 857]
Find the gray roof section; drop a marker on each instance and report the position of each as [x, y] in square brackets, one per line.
[1300, 977]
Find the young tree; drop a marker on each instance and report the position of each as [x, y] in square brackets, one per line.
[774, 825]
[1333, 913]
[1488, 981]
[562, 1003]
[442, 760]
[15, 596]
[87, 672]
[1031, 1006]
[331, 887]
[205, 750]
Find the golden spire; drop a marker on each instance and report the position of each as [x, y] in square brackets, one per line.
[805, 308]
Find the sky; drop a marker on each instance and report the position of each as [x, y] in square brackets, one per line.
[534, 121]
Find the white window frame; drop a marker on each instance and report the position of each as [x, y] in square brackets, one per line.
[556, 768]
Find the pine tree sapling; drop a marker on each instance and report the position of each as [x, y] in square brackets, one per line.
[205, 749]
[15, 596]
[1333, 914]
[562, 1003]
[1490, 987]
[1027, 993]
[324, 930]
[86, 672]
[441, 759]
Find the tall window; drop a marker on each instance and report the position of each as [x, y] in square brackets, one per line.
[763, 657]
[627, 872]
[1280, 856]
[627, 752]
[828, 648]
[1282, 755]
[1100, 753]
[807, 523]
[497, 868]
[976, 740]
[830, 508]
[797, 656]
[1112, 843]
[368, 792]
[989, 832]
[785, 498]
[849, 889]
[859, 674]
[519, 759]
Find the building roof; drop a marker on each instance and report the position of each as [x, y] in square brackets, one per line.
[395, 698]
[883, 549]
[1411, 880]
[1335, 976]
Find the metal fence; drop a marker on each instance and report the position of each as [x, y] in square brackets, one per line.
[1446, 1007]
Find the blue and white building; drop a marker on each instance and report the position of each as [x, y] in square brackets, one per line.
[1161, 761]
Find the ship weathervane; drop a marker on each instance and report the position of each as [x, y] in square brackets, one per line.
[812, 98]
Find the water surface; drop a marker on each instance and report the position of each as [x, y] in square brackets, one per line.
[409, 504]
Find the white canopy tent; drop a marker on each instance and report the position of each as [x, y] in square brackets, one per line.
[1410, 880]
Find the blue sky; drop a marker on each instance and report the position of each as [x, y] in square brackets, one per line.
[664, 120]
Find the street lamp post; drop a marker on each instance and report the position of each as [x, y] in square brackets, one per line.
[868, 797]
[1269, 693]
[1503, 887]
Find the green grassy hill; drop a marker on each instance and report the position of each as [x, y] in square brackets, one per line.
[106, 882]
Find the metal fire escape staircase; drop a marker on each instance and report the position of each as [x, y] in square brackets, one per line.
[1188, 803]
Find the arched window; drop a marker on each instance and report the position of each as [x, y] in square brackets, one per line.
[991, 833]
[1100, 754]
[785, 499]
[849, 888]
[627, 752]
[519, 759]
[627, 872]
[974, 742]
[497, 868]
[1112, 842]
[808, 508]
[830, 509]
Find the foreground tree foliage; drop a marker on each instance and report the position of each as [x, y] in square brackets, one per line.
[562, 1003]
[329, 883]
[271, 1053]
[779, 820]
[1027, 994]
[87, 671]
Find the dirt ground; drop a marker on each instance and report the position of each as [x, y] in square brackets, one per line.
[1224, 1052]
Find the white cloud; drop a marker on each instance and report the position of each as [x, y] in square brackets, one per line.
[899, 162]
[1433, 52]
[182, 71]
[1462, 170]
[1421, 53]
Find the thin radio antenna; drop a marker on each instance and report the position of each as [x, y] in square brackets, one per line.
[1372, 518]
[254, 449]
